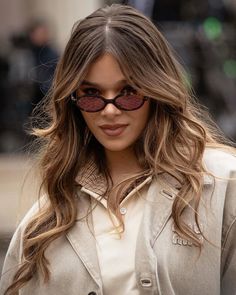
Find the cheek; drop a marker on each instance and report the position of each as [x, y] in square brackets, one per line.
[143, 115]
[89, 118]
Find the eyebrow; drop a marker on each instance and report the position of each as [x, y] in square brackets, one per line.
[85, 82]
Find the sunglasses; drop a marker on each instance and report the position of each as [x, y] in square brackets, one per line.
[96, 103]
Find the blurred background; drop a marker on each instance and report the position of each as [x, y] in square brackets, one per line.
[33, 35]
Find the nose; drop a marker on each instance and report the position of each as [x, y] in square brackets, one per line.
[110, 110]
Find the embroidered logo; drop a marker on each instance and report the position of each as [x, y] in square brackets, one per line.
[178, 240]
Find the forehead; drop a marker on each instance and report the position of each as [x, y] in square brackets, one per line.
[105, 71]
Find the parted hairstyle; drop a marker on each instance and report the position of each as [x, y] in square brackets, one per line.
[173, 141]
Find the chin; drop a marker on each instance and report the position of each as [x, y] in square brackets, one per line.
[116, 147]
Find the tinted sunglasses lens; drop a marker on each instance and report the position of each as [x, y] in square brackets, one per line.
[90, 103]
[129, 102]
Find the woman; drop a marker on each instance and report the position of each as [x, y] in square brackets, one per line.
[139, 188]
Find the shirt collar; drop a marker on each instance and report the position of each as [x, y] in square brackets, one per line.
[92, 180]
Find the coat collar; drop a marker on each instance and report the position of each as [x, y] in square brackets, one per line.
[90, 178]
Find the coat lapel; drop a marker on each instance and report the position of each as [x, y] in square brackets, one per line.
[158, 207]
[82, 239]
[157, 211]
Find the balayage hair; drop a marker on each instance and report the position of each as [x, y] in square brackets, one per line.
[173, 141]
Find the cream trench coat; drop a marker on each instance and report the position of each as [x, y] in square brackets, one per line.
[165, 263]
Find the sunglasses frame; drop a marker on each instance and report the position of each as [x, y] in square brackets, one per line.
[106, 101]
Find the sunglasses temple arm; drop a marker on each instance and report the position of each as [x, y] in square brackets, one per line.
[73, 96]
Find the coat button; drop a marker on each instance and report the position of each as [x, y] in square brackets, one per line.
[123, 210]
[92, 293]
[146, 282]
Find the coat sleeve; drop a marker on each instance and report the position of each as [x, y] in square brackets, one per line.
[12, 261]
[228, 258]
[14, 252]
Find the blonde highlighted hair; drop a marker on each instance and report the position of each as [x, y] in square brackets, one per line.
[173, 141]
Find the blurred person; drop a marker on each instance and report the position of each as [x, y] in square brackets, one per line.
[139, 185]
[32, 62]
[19, 91]
[4, 67]
[45, 59]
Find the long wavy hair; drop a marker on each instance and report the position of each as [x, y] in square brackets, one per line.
[173, 141]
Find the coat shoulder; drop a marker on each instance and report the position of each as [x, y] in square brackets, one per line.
[16, 241]
[36, 208]
[221, 163]
[14, 252]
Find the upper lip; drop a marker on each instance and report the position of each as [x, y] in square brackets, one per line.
[113, 126]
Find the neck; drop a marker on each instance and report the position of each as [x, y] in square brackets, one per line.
[122, 164]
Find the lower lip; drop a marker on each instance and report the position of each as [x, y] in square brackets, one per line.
[114, 132]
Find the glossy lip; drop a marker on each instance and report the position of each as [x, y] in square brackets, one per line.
[113, 130]
[114, 126]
